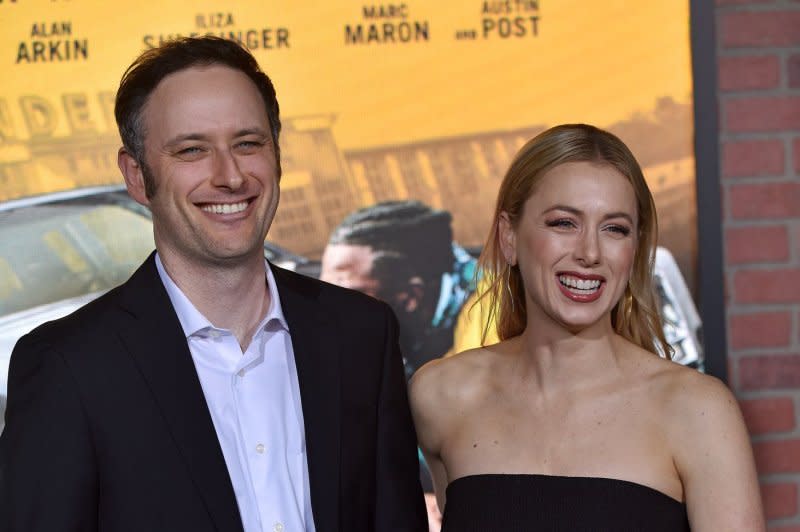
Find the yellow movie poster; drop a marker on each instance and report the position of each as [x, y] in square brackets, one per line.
[399, 121]
[411, 109]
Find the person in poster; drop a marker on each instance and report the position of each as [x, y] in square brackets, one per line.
[573, 421]
[403, 252]
[213, 390]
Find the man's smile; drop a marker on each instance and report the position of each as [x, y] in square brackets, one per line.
[225, 208]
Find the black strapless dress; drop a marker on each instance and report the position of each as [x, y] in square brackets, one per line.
[507, 503]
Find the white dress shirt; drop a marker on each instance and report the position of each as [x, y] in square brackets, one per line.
[254, 400]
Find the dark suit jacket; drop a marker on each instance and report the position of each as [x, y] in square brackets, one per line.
[107, 427]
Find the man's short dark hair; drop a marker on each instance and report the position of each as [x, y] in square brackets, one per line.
[153, 65]
[408, 239]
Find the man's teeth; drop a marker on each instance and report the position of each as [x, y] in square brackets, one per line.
[225, 208]
[579, 284]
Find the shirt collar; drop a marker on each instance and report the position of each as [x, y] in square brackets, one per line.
[275, 311]
[192, 320]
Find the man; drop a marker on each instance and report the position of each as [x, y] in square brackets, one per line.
[402, 252]
[212, 391]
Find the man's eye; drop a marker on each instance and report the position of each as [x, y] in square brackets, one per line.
[191, 150]
[249, 144]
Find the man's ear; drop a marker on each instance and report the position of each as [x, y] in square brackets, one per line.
[416, 290]
[134, 176]
[508, 238]
[410, 298]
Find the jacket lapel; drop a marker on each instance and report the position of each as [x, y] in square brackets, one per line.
[156, 341]
[316, 354]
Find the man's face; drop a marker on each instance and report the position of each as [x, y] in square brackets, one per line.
[210, 153]
[351, 267]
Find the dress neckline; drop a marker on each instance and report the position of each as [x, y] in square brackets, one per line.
[475, 476]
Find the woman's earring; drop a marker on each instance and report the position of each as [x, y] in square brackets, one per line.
[508, 286]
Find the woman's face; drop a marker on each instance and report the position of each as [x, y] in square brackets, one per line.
[575, 243]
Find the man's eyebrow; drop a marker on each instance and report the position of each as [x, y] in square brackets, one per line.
[251, 131]
[578, 212]
[184, 137]
[202, 137]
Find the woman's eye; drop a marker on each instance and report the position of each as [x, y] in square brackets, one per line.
[619, 229]
[562, 223]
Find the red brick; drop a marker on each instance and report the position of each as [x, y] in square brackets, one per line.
[765, 113]
[769, 372]
[773, 414]
[757, 244]
[765, 200]
[767, 286]
[796, 152]
[777, 456]
[762, 329]
[749, 72]
[780, 499]
[753, 158]
[793, 68]
[760, 28]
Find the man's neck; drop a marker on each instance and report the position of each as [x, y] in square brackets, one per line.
[233, 297]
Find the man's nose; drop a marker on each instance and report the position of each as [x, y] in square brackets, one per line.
[227, 173]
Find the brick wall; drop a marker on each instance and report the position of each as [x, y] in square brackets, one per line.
[758, 56]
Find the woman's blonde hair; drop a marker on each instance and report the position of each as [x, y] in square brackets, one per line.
[635, 316]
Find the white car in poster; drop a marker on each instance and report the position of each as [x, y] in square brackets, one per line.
[59, 251]
[681, 322]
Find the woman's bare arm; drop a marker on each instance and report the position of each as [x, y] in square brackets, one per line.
[713, 456]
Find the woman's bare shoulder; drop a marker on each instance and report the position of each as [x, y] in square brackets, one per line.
[442, 390]
[660, 375]
[451, 377]
[698, 411]
[683, 394]
[689, 394]
[456, 382]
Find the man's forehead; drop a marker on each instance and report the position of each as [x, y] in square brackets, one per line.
[199, 69]
[349, 256]
[202, 97]
[198, 77]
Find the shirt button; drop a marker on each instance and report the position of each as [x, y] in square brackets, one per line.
[260, 450]
[240, 373]
[278, 527]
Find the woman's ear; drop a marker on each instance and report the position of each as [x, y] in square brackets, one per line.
[508, 238]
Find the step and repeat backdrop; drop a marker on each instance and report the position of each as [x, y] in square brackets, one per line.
[418, 100]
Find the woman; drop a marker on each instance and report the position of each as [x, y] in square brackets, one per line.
[572, 421]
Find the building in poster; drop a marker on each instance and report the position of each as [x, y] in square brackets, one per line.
[458, 174]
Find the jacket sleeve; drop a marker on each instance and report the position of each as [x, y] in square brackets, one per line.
[400, 505]
[48, 479]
